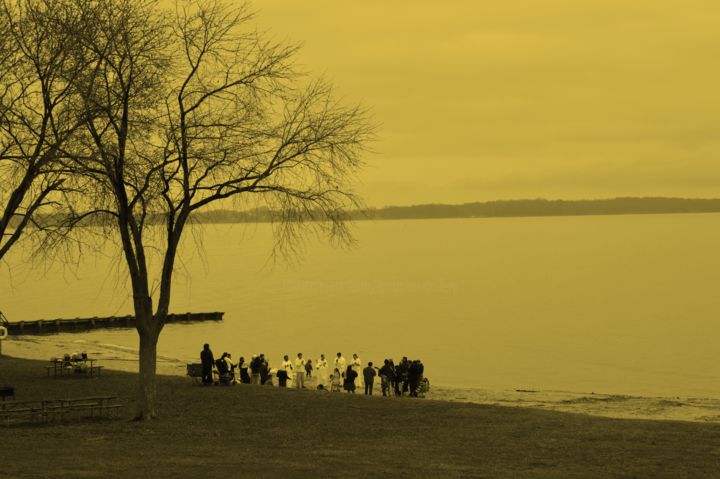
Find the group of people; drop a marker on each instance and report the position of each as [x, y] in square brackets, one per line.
[407, 377]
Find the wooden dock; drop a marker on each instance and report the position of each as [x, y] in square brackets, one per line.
[49, 326]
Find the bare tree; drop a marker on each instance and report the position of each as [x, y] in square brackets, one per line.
[37, 120]
[196, 108]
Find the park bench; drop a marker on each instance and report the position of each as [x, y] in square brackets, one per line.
[51, 409]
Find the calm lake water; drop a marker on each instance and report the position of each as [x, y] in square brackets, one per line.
[611, 304]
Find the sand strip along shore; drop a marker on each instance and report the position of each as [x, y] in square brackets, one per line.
[596, 404]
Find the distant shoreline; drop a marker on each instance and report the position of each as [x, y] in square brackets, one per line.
[494, 209]
[522, 208]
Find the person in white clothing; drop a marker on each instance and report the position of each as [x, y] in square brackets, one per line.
[340, 364]
[322, 368]
[285, 371]
[357, 367]
[299, 372]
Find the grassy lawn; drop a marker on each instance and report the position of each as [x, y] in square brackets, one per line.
[255, 431]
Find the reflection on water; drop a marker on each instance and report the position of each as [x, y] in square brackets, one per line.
[613, 304]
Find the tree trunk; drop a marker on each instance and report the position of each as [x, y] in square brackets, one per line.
[147, 392]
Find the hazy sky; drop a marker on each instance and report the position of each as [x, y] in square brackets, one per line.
[483, 100]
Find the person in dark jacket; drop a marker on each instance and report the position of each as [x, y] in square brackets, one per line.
[369, 377]
[207, 360]
[387, 377]
[264, 369]
[349, 384]
[415, 372]
[221, 365]
[223, 371]
[403, 371]
[255, 364]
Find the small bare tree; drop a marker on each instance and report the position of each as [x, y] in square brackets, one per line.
[196, 108]
[37, 121]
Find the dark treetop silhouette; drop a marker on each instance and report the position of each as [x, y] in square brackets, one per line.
[188, 108]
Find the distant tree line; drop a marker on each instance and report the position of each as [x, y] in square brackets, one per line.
[491, 209]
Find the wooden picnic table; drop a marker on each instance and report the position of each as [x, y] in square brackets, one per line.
[50, 409]
[61, 367]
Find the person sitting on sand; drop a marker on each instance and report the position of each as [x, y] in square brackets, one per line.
[335, 381]
[350, 376]
[207, 360]
[269, 376]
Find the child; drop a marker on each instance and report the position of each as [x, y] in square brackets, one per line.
[335, 381]
[308, 368]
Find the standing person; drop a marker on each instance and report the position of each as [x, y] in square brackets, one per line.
[413, 377]
[230, 367]
[285, 371]
[300, 372]
[420, 378]
[403, 370]
[369, 376]
[357, 367]
[396, 381]
[308, 369]
[350, 376]
[264, 369]
[207, 360]
[255, 365]
[322, 368]
[243, 366]
[340, 364]
[387, 377]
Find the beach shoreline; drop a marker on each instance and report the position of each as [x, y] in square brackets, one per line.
[257, 431]
[620, 406]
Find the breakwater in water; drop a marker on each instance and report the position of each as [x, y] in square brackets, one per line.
[49, 326]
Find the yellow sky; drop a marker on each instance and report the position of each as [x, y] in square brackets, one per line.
[482, 100]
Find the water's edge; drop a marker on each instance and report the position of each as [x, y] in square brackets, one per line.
[122, 358]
